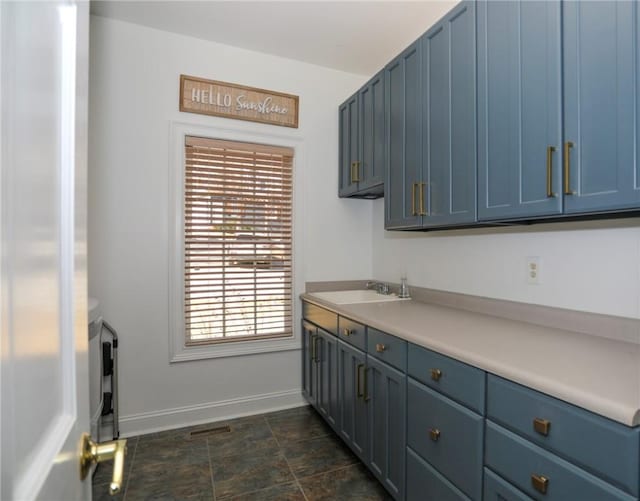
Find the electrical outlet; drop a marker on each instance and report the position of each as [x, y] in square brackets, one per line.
[533, 270]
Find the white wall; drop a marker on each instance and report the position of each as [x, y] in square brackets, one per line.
[134, 85]
[587, 266]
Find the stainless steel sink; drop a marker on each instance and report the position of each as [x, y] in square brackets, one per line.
[355, 296]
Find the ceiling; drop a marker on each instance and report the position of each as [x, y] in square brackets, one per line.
[357, 37]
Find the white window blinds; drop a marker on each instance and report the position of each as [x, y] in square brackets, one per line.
[237, 241]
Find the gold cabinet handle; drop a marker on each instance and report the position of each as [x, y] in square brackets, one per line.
[360, 394]
[414, 212]
[436, 374]
[356, 178]
[540, 483]
[380, 347]
[434, 433]
[567, 167]
[423, 211]
[550, 151]
[347, 332]
[97, 453]
[542, 426]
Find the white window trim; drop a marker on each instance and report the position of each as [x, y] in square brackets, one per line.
[178, 351]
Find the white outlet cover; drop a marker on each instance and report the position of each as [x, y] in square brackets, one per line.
[533, 270]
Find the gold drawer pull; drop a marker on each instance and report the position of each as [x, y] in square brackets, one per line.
[542, 426]
[347, 332]
[356, 178]
[540, 483]
[380, 347]
[423, 211]
[436, 374]
[434, 433]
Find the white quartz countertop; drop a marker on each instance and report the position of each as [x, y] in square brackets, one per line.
[596, 373]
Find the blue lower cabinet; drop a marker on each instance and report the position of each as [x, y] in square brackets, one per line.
[352, 332]
[447, 435]
[386, 390]
[352, 420]
[386, 348]
[424, 483]
[498, 489]
[309, 366]
[601, 446]
[539, 473]
[327, 375]
[461, 382]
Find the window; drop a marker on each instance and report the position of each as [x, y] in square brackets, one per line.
[237, 229]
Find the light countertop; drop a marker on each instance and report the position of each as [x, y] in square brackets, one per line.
[596, 373]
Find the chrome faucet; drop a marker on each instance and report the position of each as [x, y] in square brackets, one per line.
[380, 287]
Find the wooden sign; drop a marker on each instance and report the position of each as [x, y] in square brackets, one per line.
[209, 97]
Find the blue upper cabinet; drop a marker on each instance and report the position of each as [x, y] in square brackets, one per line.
[431, 127]
[519, 109]
[349, 145]
[361, 122]
[601, 107]
[447, 193]
[371, 166]
[403, 120]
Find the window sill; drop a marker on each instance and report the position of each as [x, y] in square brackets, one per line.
[235, 349]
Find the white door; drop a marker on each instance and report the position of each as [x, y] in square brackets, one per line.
[43, 314]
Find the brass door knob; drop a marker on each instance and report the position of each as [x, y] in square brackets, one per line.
[436, 374]
[347, 332]
[380, 347]
[97, 453]
[434, 433]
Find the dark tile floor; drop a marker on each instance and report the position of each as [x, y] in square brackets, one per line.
[282, 456]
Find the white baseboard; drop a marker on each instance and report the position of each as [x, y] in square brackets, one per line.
[166, 419]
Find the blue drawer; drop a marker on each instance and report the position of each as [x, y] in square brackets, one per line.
[526, 466]
[457, 380]
[601, 446]
[498, 489]
[447, 435]
[387, 348]
[326, 319]
[425, 483]
[352, 332]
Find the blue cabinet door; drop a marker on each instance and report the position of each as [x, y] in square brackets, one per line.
[371, 167]
[352, 423]
[327, 395]
[387, 388]
[403, 124]
[449, 119]
[519, 109]
[601, 43]
[349, 146]
[309, 368]
[424, 482]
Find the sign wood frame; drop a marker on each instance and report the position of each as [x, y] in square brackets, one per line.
[222, 99]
